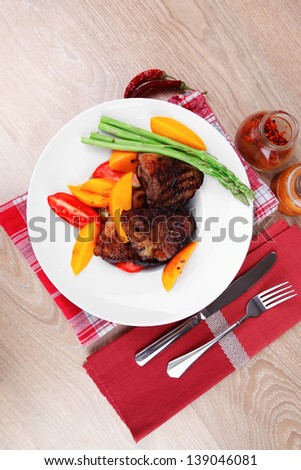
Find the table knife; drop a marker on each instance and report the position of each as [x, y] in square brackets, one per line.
[232, 292]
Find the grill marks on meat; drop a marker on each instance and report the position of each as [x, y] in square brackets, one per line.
[110, 247]
[158, 234]
[166, 181]
[155, 236]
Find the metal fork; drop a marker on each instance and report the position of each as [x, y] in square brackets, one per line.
[256, 306]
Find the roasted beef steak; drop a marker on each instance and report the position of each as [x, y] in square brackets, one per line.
[166, 181]
[158, 231]
[110, 247]
[157, 234]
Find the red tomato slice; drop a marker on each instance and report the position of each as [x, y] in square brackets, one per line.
[129, 267]
[71, 209]
[104, 171]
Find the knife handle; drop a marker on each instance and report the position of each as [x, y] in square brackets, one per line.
[151, 351]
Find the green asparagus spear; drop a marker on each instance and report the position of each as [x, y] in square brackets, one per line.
[138, 131]
[124, 129]
[122, 144]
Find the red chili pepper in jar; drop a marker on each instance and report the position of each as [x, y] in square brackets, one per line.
[267, 139]
[272, 133]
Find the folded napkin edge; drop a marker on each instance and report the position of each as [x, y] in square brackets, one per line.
[99, 383]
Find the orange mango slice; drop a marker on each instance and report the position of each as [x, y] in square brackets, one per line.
[100, 186]
[175, 266]
[84, 247]
[121, 200]
[169, 127]
[123, 161]
[89, 198]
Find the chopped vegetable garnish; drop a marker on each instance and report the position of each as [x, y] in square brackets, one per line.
[141, 140]
[71, 209]
[84, 247]
[121, 200]
[174, 129]
[175, 266]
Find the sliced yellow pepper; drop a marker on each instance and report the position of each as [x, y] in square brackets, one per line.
[89, 198]
[100, 186]
[123, 161]
[121, 200]
[175, 130]
[175, 266]
[84, 247]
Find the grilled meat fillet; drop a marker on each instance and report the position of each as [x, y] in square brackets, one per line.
[157, 234]
[166, 181]
[110, 248]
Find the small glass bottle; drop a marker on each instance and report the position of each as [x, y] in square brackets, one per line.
[287, 188]
[267, 139]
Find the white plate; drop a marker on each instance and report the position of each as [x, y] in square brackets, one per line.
[105, 291]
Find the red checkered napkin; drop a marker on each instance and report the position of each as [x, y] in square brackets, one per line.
[87, 327]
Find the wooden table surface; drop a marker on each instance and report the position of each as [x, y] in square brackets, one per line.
[59, 58]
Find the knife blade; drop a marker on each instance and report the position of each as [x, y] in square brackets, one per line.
[232, 292]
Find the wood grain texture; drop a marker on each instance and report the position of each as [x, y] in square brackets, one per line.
[60, 58]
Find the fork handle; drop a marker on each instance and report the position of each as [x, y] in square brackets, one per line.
[178, 366]
[151, 351]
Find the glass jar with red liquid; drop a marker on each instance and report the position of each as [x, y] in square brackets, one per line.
[267, 139]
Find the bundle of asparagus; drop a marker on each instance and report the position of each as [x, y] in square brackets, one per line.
[135, 139]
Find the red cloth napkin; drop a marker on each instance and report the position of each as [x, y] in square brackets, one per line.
[87, 327]
[146, 397]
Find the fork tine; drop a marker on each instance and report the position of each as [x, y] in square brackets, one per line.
[272, 299]
[280, 301]
[272, 295]
[272, 288]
